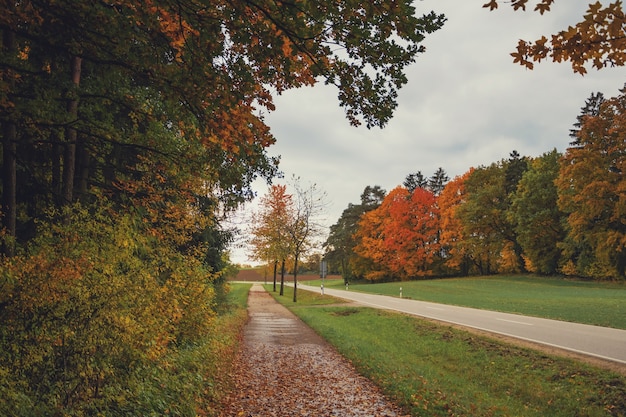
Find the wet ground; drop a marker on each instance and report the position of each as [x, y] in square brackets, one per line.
[286, 369]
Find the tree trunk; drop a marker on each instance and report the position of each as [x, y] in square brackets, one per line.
[57, 182]
[82, 163]
[9, 164]
[295, 278]
[69, 163]
[275, 269]
[282, 277]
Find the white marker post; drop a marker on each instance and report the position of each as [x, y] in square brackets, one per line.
[323, 271]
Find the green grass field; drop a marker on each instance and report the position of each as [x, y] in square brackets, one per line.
[596, 303]
[435, 370]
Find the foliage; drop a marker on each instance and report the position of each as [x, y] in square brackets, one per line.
[269, 235]
[268, 227]
[598, 39]
[592, 193]
[97, 314]
[451, 236]
[341, 241]
[536, 216]
[400, 237]
[483, 215]
[550, 214]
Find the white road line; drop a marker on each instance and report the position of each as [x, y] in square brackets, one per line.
[516, 322]
[435, 308]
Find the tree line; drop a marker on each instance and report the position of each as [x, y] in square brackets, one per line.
[552, 214]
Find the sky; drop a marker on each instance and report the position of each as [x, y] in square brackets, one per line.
[466, 104]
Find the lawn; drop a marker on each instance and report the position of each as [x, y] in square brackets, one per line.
[596, 303]
[435, 370]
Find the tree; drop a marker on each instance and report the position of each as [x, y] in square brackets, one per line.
[133, 80]
[341, 241]
[438, 181]
[535, 214]
[591, 108]
[415, 181]
[515, 168]
[489, 238]
[599, 39]
[592, 193]
[401, 236]
[304, 226]
[372, 197]
[269, 235]
[370, 244]
[451, 236]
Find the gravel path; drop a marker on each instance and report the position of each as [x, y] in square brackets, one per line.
[285, 369]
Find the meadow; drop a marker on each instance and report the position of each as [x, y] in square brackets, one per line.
[437, 370]
[588, 302]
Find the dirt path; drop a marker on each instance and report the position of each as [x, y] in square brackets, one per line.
[285, 369]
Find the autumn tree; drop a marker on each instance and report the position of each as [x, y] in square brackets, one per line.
[370, 246]
[269, 235]
[598, 39]
[457, 258]
[489, 236]
[592, 193]
[304, 226]
[339, 245]
[401, 236]
[535, 214]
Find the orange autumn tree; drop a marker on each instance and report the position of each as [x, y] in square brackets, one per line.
[599, 38]
[401, 236]
[452, 196]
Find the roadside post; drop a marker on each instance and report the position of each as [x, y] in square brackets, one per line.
[323, 272]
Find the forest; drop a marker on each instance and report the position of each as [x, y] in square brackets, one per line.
[552, 214]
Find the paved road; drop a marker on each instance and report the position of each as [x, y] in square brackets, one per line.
[601, 342]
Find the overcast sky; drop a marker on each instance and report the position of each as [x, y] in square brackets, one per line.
[466, 104]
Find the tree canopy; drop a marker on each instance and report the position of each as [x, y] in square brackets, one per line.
[598, 39]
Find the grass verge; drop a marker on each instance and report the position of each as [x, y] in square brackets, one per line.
[595, 303]
[435, 370]
[224, 345]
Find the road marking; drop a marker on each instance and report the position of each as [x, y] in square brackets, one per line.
[435, 308]
[516, 322]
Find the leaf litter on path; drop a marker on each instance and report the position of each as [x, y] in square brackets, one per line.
[285, 369]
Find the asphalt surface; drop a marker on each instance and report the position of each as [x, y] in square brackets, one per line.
[600, 342]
